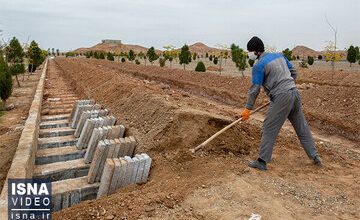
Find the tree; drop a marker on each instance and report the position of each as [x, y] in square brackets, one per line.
[110, 56]
[238, 57]
[131, 56]
[334, 55]
[200, 67]
[137, 62]
[151, 55]
[194, 56]
[53, 51]
[310, 60]
[287, 53]
[57, 52]
[211, 57]
[35, 56]
[15, 56]
[162, 62]
[5, 80]
[206, 55]
[320, 57]
[351, 55]
[123, 60]
[185, 55]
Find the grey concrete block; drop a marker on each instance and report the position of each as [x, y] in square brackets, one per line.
[94, 166]
[140, 170]
[127, 146]
[112, 149]
[135, 170]
[80, 109]
[146, 168]
[106, 178]
[117, 148]
[131, 146]
[122, 147]
[115, 176]
[122, 173]
[94, 140]
[102, 163]
[103, 112]
[65, 200]
[75, 198]
[129, 170]
[84, 116]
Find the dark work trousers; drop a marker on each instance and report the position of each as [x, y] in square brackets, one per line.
[284, 106]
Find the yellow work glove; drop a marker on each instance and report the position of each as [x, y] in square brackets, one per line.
[245, 115]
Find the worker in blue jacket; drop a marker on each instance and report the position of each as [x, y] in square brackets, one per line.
[277, 76]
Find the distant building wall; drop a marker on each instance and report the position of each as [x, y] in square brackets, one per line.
[111, 41]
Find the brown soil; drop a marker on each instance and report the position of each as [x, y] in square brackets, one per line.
[170, 111]
[12, 122]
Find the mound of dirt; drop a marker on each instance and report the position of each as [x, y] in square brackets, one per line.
[201, 48]
[304, 52]
[114, 48]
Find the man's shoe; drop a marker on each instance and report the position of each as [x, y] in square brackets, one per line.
[258, 165]
[317, 160]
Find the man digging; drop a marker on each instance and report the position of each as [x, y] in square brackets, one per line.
[277, 76]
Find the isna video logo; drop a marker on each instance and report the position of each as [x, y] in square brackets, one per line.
[29, 199]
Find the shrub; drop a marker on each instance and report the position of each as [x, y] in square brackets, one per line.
[123, 60]
[206, 55]
[102, 56]
[320, 57]
[110, 56]
[215, 60]
[200, 67]
[70, 54]
[137, 62]
[310, 60]
[162, 62]
[211, 57]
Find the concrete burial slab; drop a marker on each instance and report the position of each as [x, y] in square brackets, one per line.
[73, 190]
[55, 117]
[54, 124]
[53, 155]
[46, 111]
[56, 141]
[56, 132]
[62, 170]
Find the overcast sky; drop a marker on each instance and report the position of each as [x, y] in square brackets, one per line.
[82, 23]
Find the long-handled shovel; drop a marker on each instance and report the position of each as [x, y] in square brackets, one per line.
[193, 150]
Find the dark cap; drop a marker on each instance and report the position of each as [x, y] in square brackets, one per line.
[255, 44]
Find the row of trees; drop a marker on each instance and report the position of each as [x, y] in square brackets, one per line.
[13, 57]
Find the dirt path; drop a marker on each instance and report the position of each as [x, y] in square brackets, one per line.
[216, 183]
[12, 122]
